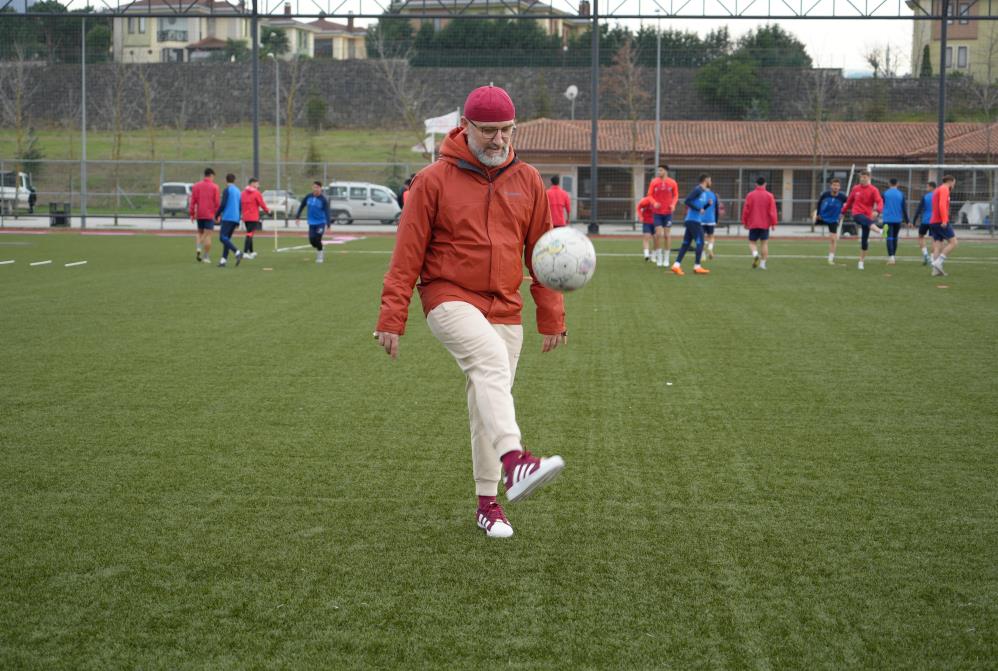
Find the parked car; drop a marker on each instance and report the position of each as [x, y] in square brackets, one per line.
[281, 202]
[361, 202]
[175, 197]
[15, 191]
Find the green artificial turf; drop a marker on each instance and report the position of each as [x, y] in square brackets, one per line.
[205, 468]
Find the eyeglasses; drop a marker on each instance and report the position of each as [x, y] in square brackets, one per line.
[490, 132]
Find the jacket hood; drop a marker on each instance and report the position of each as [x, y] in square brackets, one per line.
[456, 149]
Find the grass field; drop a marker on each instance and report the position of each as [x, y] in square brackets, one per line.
[218, 469]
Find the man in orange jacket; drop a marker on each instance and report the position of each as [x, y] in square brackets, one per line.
[469, 222]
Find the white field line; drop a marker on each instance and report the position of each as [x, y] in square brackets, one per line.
[6, 263]
[76, 263]
[291, 249]
[41, 263]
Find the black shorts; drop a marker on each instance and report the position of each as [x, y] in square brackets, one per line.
[833, 226]
[708, 229]
[206, 224]
[252, 226]
[923, 230]
[756, 234]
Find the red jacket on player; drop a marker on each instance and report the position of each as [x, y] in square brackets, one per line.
[561, 205]
[759, 210]
[864, 199]
[664, 192]
[646, 210]
[940, 204]
[204, 199]
[251, 203]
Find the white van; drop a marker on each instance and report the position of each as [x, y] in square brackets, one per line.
[175, 197]
[361, 202]
[15, 191]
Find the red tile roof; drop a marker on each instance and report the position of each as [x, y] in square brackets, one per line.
[737, 140]
[333, 27]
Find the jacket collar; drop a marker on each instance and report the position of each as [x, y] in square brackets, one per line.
[455, 150]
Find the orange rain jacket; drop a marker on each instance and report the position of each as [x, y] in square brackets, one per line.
[465, 233]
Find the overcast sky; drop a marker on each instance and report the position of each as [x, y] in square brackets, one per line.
[834, 43]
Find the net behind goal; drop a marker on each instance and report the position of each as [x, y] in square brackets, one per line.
[974, 201]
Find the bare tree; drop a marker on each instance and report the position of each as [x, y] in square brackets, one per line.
[16, 88]
[148, 102]
[406, 94]
[819, 87]
[292, 93]
[626, 91]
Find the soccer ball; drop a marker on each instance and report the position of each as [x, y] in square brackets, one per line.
[564, 259]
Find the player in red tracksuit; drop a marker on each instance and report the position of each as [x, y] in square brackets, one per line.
[865, 203]
[664, 192]
[203, 203]
[251, 202]
[646, 215]
[940, 226]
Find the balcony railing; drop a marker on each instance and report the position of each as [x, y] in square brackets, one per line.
[171, 36]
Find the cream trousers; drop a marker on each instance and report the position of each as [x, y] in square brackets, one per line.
[487, 354]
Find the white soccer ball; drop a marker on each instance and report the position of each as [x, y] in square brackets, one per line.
[564, 259]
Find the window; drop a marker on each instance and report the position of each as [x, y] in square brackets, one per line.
[351, 49]
[358, 193]
[337, 193]
[381, 196]
[142, 25]
[949, 57]
[961, 57]
[950, 13]
[131, 26]
[964, 13]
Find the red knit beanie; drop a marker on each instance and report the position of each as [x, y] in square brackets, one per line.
[489, 104]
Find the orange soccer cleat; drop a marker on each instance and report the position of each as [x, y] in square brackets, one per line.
[701, 271]
[676, 269]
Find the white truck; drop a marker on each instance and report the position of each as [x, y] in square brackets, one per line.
[15, 191]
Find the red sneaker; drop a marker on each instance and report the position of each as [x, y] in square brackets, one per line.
[493, 521]
[525, 473]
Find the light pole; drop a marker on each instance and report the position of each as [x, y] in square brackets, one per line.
[658, 89]
[277, 120]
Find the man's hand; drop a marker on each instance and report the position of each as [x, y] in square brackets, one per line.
[390, 341]
[552, 341]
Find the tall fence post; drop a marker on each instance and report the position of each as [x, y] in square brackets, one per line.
[255, 71]
[162, 178]
[3, 169]
[941, 141]
[594, 124]
[83, 124]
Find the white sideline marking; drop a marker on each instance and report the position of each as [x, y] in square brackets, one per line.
[289, 249]
[6, 263]
[76, 263]
[41, 263]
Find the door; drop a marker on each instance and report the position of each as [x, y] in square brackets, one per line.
[360, 205]
[383, 204]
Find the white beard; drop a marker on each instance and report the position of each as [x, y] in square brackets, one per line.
[491, 161]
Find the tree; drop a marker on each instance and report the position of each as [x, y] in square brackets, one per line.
[234, 51]
[626, 94]
[926, 68]
[733, 84]
[394, 35]
[395, 73]
[273, 41]
[31, 156]
[315, 111]
[682, 49]
[771, 46]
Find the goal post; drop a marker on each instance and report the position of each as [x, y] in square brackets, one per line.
[974, 202]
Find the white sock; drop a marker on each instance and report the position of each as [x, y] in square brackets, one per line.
[755, 254]
[762, 264]
[942, 258]
[647, 253]
[710, 246]
[665, 256]
[696, 265]
[199, 247]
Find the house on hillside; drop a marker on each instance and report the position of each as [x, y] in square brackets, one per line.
[971, 46]
[735, 153]
[206, 25]
[564, 25]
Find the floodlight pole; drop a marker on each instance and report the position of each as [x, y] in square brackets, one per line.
[941, 141]
[83, 123]
[594, 124]
[658, 89]
[255, 69]
[277, 121]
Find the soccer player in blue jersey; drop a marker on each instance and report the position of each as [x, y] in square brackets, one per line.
[828, 212]
[895, 213]
[228, 216]
[923, 216]
[318, 218]
[710, 217]
[697, 204]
